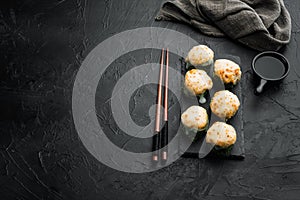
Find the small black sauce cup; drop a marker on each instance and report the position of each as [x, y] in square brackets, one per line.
[264, 80]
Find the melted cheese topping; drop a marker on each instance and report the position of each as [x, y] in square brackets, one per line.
[224, 104]
[197, 81]
[228, 71]
[221, 134]
[195, 117]
[199, 55]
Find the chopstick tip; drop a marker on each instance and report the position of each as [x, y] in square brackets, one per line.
[164, 155]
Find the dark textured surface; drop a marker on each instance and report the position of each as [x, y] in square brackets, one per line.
[42, 46]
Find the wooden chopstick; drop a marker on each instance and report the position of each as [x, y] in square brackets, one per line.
[160, 138]
[156, 137]
[164, 137]
[166, 87]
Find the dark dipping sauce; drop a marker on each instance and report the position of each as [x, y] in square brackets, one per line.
[269, 67]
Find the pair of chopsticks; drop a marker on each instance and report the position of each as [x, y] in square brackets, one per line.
[160, 138]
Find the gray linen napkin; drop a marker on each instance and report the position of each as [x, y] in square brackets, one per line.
[259, 24]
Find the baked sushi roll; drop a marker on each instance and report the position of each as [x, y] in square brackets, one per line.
[224, 104]
[196, 83]
[221, 135]
[228, 71]
[200, 56]
[194, 120]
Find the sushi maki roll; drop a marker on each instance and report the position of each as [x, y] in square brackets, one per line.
[194, 120]
[222, 135]
[224, 104]
[228, 71]
[200, 57]
[196, 83]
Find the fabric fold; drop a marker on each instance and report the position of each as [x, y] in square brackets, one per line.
[259, 24]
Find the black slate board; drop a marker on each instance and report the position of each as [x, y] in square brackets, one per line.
[199, 148]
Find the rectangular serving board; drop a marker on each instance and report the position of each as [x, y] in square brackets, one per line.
[199, 148]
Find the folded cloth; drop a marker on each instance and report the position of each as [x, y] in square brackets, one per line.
[259, 24]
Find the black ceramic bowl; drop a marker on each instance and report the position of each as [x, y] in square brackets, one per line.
[269, 67]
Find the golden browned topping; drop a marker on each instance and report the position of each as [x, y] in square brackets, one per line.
[197, 81]
[199, 55]
[224, 104]
[195, 117]
[221, 134]
[228, 71]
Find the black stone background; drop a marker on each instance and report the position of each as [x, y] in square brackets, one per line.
[42, 46]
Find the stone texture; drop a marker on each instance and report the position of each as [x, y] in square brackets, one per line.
[42, 46]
